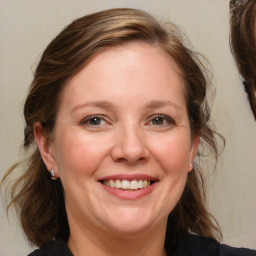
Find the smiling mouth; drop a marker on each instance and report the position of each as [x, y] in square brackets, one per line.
[128, 185]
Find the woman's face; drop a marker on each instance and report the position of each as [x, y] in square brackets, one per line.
[122, 143]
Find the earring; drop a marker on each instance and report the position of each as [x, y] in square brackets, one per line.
[53, 175]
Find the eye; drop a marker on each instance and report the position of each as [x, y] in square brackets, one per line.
[161, 120]
[95, 120]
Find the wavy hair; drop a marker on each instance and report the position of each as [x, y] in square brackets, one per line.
[38, 200]
[243, 44]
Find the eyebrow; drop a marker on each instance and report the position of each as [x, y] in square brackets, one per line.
[99, 104]
[158, 104]
[107, 105]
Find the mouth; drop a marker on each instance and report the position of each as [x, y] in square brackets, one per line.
[129, 187]
[124, 184]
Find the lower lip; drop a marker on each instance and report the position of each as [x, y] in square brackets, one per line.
[130, 194]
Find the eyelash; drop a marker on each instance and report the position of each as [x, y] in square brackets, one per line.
[100, 118]
[163, 118]
[86, 121]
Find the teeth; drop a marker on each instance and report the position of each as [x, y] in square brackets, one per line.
[112, 183]
[134, 184]
[126, 184]
[140, 184]
[117, 184]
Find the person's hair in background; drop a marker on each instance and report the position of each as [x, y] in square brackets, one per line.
[39, 200]
[243, 44]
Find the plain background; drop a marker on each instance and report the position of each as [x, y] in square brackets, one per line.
[27, 26]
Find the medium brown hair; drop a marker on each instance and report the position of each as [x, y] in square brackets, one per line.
[39, 200]
[243, 44]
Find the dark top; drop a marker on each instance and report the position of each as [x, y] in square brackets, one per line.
[189, 245]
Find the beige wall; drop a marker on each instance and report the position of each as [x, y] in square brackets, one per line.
[27, 26]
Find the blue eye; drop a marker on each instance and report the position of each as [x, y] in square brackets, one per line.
[94, 121]
[158, 121]
[161, 120]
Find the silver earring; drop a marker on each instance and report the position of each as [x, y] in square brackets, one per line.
[53, 175]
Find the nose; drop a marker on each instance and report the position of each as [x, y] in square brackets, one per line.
[130, 146]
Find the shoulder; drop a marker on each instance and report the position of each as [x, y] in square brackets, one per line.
[195, 245]
[55, 248]
[227, 250]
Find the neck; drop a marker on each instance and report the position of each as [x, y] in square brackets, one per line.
[103, 243]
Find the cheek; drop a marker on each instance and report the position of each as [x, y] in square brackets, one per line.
[172, 153]
[78, 154]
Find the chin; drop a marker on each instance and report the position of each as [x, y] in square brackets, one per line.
[132, 222]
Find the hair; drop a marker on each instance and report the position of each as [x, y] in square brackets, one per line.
[38, 200]
[243, 44]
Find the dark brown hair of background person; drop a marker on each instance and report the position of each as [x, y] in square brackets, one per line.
[243, 44]
[38, 200]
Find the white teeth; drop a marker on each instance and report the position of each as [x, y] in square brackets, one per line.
[118, 184]
[140, 184]
[112, 183]
[134, 184]
[126, 184]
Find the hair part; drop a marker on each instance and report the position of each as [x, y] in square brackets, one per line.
[39, 200]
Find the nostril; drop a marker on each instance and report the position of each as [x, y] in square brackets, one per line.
[121, 160]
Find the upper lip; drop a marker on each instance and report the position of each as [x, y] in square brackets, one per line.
[128, 177]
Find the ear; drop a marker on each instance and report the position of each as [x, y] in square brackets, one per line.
[45, 145]
[194, 146]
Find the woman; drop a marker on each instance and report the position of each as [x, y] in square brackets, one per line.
[114, 118]
[243, 44]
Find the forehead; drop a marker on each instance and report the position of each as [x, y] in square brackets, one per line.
[136, 48]
[137, 67]
[128, 55]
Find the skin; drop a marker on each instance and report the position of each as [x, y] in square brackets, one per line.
[126, 87]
